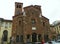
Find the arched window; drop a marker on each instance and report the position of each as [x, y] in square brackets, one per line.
[17, 38]
[33, 21]
[18, 6]
[19, 22]
[21, 38]
[5, 35]
[28, 36]
[43, 23]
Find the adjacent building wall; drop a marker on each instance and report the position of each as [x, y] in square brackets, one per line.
[5, 25]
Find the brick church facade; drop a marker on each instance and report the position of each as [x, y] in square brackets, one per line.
[29, 25]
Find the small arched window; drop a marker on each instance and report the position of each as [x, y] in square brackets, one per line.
[43, 23]
[17, 38]
[33, 21]
[18, 6]
[28, 36]
[5, 35]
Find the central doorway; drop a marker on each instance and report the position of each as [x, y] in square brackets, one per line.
[34, 37]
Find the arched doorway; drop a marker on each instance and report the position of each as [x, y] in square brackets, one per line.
[34, 37]
[46, 38]
[5, 35]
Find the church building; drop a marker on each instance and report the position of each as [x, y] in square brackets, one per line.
[29, 25]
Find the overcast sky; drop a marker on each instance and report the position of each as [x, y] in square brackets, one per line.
[50, 8]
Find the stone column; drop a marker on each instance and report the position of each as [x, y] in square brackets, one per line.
[37, 37]
[25, 40]
[43, 37]
[31, 38]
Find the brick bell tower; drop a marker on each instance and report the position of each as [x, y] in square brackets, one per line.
[28, 24]
[17, 26]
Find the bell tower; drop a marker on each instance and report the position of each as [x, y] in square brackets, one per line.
[18, 8]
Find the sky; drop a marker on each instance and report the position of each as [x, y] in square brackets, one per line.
[50, 8]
